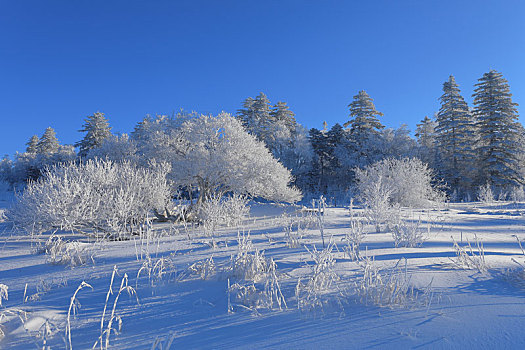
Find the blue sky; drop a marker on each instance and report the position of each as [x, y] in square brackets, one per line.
[61, 61]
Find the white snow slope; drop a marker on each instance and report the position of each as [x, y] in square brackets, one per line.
[463, 308]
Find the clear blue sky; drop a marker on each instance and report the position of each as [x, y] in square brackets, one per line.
[61, 61]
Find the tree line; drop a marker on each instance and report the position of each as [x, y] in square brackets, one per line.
[466, 146]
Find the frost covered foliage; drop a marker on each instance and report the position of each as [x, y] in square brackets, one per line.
[215, 155]
[30, 166]
[61, 252]
[407, 182]
[485, 194]
[257, 283]
[389, 287]
[408, 234]
[470, 256]
[314, 292]
[92, 197]
[116, 149]
[223, 211]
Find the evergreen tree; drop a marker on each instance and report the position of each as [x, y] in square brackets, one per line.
[97, 130]
[48, 143]
[281, 113]
[321, 160]
[498, 146]
[426, 139]
[365, 116]
[255, 116]
[455, 132]
[364, 126]
[32, 144]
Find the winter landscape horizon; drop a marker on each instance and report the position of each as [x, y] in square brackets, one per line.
[245, 175]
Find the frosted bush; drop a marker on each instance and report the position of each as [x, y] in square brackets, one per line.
[389, 287]
[91, 197]
[61, 252]
[517, 194]
[249, 263]
[485, 194]
[258, 285]
[315, 291]
[223, 211]
[469, 256]
[408, 234]
[354, 236]
[4, 295]
[407, 182]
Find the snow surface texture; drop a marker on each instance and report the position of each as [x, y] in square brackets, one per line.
[250, 287]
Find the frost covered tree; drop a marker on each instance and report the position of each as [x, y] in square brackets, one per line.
[364, 126]
[498, 147]
[97, 129]
[365, 116]
[48, 143]
[426, 139]
[115, 148]
[321, 160]
[215, 155]
[256, 116]
[32, 144]
[455, 133]
[281, 113]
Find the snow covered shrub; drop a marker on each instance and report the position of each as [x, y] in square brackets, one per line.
[354, 237]
[30, 166]
[156, 270]
[204, 268]
[250, 265]
[485, 194]
[67, 253]
[3, 216]
[4, 295]
[92, 197]
[223, 211]
[115, 148]
[214, 156]
[408, 234]
[388, 288]
[407, 182]
[315, 291]
[468, 257]
[517, 194]
[375, 197]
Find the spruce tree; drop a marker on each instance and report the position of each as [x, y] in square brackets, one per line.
[281, 113]
[32, 144]
[426, 139]
[365, 116]
[97, 130]
[255, 116]
[455, 133]
[498, 145]
[48, 142]
[365, 127]
[321, 160]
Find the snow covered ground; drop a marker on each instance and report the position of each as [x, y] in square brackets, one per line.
[457, 307]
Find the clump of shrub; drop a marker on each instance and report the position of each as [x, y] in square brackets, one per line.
[389, 183]
[223, 211]
[63, 252]
[92, 197]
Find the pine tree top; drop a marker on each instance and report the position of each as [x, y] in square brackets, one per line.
[364, 114]
[97, 130]
[32, 144]
[48, 143]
